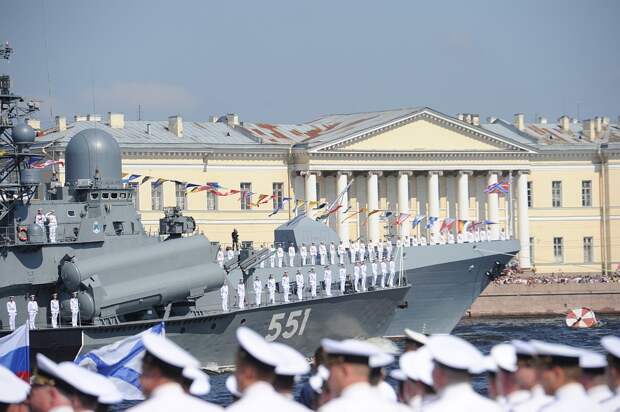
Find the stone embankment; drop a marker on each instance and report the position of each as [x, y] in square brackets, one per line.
[546, 299]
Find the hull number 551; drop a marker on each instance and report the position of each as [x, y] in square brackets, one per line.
[295, 324]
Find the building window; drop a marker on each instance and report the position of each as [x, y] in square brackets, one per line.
[181, 195]
[278, 195]
[157, 196]
[586, 193]
[135, 199]
[556, 193]
[532, 251]
[588, 249]
[558, 249]
[211, 197]
[530, 194]
[246, 196]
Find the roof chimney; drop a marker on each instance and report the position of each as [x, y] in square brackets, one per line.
[61, 123]
[34, 123]
[175, 125]
[589, 129]
[467, 118]
[116, 120]
[598, 121]
[475, 119]
[232, 119]
[564, 122]
[519, 121]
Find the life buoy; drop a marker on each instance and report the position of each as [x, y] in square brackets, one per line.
[22, 233]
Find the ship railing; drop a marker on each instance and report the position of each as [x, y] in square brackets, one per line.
[14, 235]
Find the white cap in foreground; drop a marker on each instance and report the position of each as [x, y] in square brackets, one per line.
[505, 356]
[90, 383]
[257, 346]
[350, 348]
[168, 352]
[231, 385]
[454, 352]
[12, 389]
[380, 360]
[592, 360]
[418, 366]
[416, 336]
[291, 362]
[557, 351]
[200, 381]
[612, 345]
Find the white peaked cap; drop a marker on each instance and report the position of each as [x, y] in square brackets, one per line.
[398, 375]
[612, 345]
[505, 356]
[416, 336]
[316, 381]
[523, 348]
[257, 346]
[168, 352]
[489, 365]
[231, 385]
[290, 362]
[47, 365]
[380, 360]
[418, 365]
[555, 349]
[592, 360]
[89, 382]
[350, 347]
[454, 352]
[12, 389]
[200, 381]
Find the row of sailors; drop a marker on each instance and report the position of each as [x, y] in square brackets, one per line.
[434, 375]
[360, 282]
[357, 251]
[33, 311]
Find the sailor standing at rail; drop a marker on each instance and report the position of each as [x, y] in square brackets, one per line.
[380, 249]
[362, 251]
[388, 248]
[341, 252]
[299, 280]
[40, 219]
[423, 240]
[291, 255]
[55, 310]
[224, 294]
[272, 256]
[312, 282]
[483, 236]
[11, 308]
[74, 305]
[271, 287]
[241, 294]
[383, 272]
[374, 273]
[450, 238]
[230, 254]
[33, 309]
[343, 277]
[280, 254]
[323, 253]
[356, 276]
[303, 251]
[286, 286]
[52, 224]
[392, 272]
[399, 244]
[327, 280]
[220, 257]
[332, 253]
[313, 253]
[258, 289]
[364, 273]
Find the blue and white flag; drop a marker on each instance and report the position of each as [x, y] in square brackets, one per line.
[431, 221]
[121, 362]
[417, 220]
[15, 352]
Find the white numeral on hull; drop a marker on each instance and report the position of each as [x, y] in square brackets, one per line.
[292, 326]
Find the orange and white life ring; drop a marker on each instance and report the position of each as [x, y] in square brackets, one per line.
[22, 233]
[581, 318]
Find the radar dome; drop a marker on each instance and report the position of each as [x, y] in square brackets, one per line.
[93, 153]
[23, 134]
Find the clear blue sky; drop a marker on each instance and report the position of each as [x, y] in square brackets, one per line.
[290, 61]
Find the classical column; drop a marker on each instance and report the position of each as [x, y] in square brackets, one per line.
[524, 224]
[403, 200]
[463, 194]
[298, 188]
[310, 192]
[341, 185]
[493, 205]
[372, 191]
[433, 199]
[330, 196]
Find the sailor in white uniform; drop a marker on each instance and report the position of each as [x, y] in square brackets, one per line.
[417, 388]
[342, 251]
[414, 340]
[528, 377]
[313, 253]
[483, 236]
[504, 356]
[399, 244]
[348, 382]
[502, 235]
[272, 256]
[362, 252]
[392, 272]
[224, 295]
[388, 248]
[312, 282]
[332, 253]
[299, 281]
[162, 378]
[258, 291]
[271, 287]
[356, 277]
[11, 308]
[450, 238]
[54, 310]
[384, 272]
[303, 251]
[371, 251]
[353, 246]
[453, 359]
[423, 240]
[459, 238]
[33, 310]
[280, 255]
[230, 254]
[291, 255]
[363, 274]
[327, 280]
[255, 365]
[593, 377]
[414, 240]
[40, 219]
[375, 273]
[477, 236]
[286, 286]
[220, 257]
[342, 273]
[470, 237]
[380, 249]
[291, 365]
[560, 365]
[377, 363]
[241, 294]
[611, 344]
[322, 253]
[52, 225]
[74, 305]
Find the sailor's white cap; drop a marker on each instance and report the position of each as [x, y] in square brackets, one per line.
[398, 374]
[316, 381]
[168, 352]
[505, 356]
[350, 348]
[612, 345]
[257, 346]
[200, 381]
[290, 362]
[418, 366]
[231, 385]
[454, 352]
[380, 360]
[89, 383]
[523, 348]
[416, 336]
[557, 351]
[489, 365]
[592, 360]
[13, 389]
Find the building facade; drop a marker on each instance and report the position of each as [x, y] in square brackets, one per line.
[559, 180]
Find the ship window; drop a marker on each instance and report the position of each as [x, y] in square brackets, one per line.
[114, 195]
[105, 195]
[71, 213]
[94, 196]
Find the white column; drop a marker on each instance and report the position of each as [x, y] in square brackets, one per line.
[524, 224]
[341, 185]
[299, 190]
[310, 191]
[450, 196]
[433, 199]
[372, 191]
[463, 194]
[403, 200]
[493, 205]
[421, 199]
[330, 196]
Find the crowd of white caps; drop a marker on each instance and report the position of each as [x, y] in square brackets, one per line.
[435, 374]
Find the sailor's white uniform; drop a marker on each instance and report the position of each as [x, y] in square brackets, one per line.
[502, 235]
[271, 286]
[303, 251]
[11, 308]
[459, 238]
[361, 397]
[388, 248]
[342, 273]
[380, 249]
[272, 257]
[612, 404]
[241, 295]
[363, 273]
[280, 255]
[33, 309]
[470, 237]
[572, 397]
[374, 273]
[291, 255]
[313, 253]
[612, 347]
[327, 279]
[220, 258]
[483, 236]
[352, 251]
[260, 396]
[371, 251]
[383, 273]
[286, 287]
[536, 401]
[171, 397]
[230, 254]
[450, 238]
[299, 279]
[414, 241]
[341, 252]
[399, 244]
[40, 220]
[54, 311]
[460, 397]
[362, 251]
[600, 393]
[477, 236]
[74, 305]
[332, 254]
[258, 291]
[224, 294]
[356, 278]
[52, 224]
[392, 273]
[312, 282]
[322, 253]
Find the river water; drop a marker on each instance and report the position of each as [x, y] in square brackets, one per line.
[484, 333]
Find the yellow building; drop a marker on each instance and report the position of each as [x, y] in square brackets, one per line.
[562, 200]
